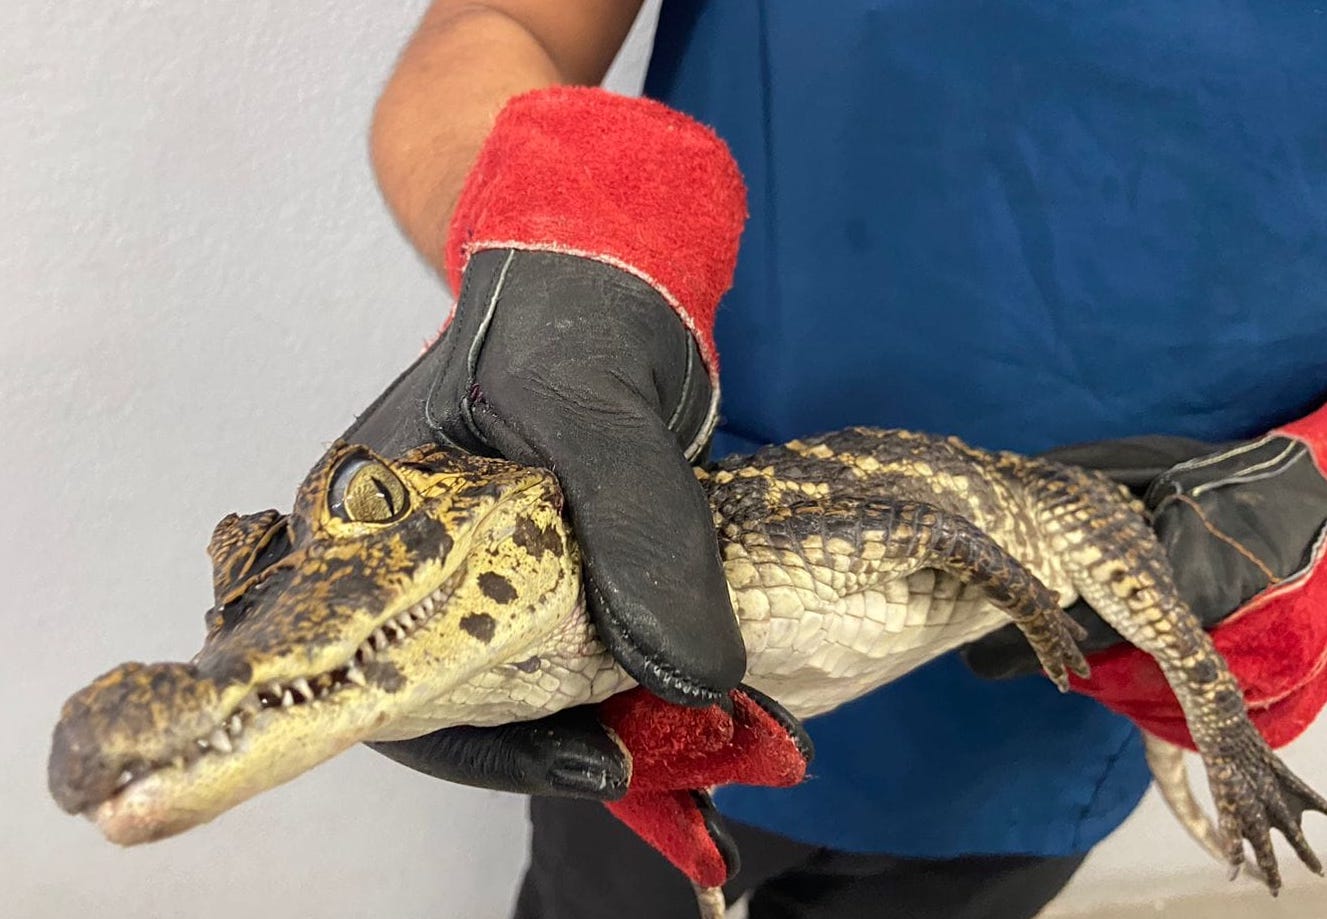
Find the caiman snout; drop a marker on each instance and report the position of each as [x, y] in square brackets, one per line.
[129, 721]
[396, 598]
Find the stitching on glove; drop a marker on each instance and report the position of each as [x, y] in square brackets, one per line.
[1213, 458]
[711, 420]
[477, 345]
[1226, 538]
[472, 359]
[707, 429]
[682, 390]
[1243, 475]
[669, 675]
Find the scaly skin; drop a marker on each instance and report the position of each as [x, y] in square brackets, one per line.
[441, 589]
[328, 629]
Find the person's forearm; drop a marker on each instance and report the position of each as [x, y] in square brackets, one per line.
[463, 63]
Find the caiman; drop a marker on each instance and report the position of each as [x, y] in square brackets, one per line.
[438, 588]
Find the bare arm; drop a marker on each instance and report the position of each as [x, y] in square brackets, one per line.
[464, 61]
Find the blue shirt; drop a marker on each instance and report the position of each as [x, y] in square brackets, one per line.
[1027, 223]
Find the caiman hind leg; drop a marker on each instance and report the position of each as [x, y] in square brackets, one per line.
[870, 542]
[1120, 569]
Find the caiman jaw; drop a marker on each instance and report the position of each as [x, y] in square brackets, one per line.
[387, 588]
[303, 721]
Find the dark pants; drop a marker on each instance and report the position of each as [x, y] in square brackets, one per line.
[586, 865]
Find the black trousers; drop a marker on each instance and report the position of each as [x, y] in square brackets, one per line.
[584, 864]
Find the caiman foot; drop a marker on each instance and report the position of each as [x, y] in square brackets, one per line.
[1055, 637]
[1256, 792]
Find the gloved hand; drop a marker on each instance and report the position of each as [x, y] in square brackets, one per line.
[591, 245]
[562, 362]
[1244, 528]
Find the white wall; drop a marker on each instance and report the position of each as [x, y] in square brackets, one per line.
[200, 286]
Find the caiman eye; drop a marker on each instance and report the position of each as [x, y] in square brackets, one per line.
[365, 491]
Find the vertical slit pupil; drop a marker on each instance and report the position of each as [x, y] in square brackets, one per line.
[386, 494]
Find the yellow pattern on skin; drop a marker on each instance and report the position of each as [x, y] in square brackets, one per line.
[440, 589]
[310, 655]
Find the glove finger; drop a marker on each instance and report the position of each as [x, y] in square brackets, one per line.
[656, 586]
[565, 755]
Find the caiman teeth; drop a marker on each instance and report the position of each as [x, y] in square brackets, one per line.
[229, 732]
[403, 624]
[323, 684]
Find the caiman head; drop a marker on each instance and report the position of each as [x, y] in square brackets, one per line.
[389, 584]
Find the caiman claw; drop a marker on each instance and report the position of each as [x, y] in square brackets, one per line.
[1255, 792]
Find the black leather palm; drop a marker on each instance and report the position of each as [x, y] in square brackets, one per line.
[568, 754]
[1232, 518]
[579, 367]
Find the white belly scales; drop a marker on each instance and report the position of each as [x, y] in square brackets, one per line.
[813, 658]
[813, 644]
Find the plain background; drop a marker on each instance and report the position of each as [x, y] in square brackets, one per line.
[200, 287]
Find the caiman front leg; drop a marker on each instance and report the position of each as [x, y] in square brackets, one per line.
[1120, 570]
[879, 541]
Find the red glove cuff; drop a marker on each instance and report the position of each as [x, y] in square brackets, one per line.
[675, 750]
[1276, 645]
[621, 180]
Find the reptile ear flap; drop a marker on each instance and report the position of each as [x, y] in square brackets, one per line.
[237, 546]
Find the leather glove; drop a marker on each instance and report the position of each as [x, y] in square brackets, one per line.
[1243, 525]
[592, 242]
[562, 362]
